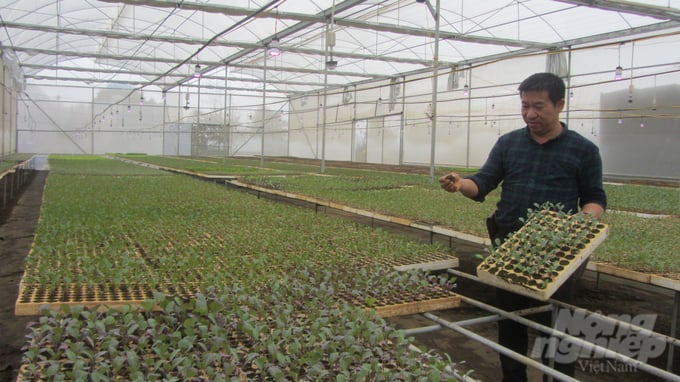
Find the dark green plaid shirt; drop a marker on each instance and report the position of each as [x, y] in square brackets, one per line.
[566, 169]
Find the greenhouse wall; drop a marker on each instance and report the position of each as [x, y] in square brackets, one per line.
[643, 139]
[12, 83]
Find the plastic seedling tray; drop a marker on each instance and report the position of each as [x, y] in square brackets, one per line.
[537, 259]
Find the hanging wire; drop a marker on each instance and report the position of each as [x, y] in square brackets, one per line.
[213, 39]
[632, 67]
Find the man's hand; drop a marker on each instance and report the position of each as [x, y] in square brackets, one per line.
[451, 182]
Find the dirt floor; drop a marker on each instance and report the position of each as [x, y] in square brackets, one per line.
[607, 295]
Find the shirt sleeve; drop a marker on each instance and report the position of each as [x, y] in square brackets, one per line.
[591, 189]
[491, 173]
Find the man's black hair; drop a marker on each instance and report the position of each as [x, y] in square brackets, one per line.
[545, 82]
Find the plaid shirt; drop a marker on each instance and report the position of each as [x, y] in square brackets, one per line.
[566, 169]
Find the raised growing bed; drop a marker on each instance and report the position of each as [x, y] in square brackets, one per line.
[290, 330]
[537, 259]
[241, 288]
[114, 239]
[635, 243]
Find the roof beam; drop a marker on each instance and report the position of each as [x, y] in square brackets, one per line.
[603, 37]
[144, 83]
[97, 56]
[155, 74]
[191, 41]
[662, 13]
[322, 18]
[443, 35]
[653, 28]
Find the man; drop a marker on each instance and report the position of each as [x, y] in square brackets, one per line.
[542, 162]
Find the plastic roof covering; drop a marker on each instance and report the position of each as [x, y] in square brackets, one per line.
[139, 43]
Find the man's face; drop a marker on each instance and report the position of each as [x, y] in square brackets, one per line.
[539, 113]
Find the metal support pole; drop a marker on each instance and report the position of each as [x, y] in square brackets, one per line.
[264, 106]
[225, 115]
[402, 122]
[671, 340]
[14, 116]
[164, 95]
[568, 87]
[552, 344]
[501, 349]
[92, 121]
[577, 342]
[674, 325]
[198, 115]
[354, 123]
[435, 78]
[322, 169]
[469, 119]
[3, 94]
[179, 114]
[478, 320]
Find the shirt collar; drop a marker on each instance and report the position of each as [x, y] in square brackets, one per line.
[564, 131]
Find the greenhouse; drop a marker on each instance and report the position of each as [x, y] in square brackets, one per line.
[280, 190]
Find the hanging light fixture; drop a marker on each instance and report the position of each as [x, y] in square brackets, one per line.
[274, 47]
[618, 72]
[466, 88]
[141, 97]
[631, 88]
[331, 64]
[428, 111]
[186, 98]
[197, 70]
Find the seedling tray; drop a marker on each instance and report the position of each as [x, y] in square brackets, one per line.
[414, 307]
[33, 297]
[559, 259]
[404, 303]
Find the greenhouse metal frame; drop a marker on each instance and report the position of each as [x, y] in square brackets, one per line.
[399, 82]
[396, 82]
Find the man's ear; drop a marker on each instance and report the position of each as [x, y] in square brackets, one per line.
[560, 105]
